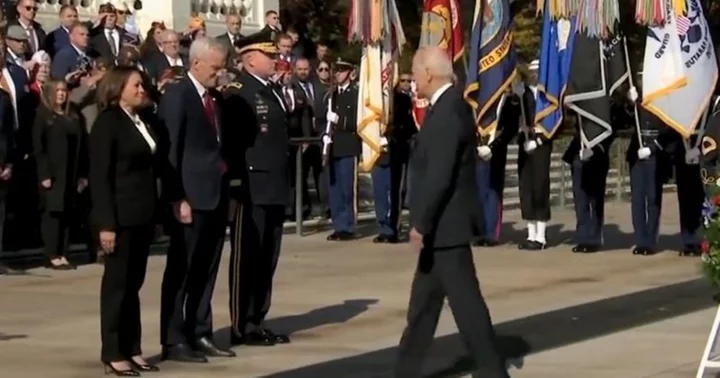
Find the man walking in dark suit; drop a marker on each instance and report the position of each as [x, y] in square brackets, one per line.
[71, 58]
[200, 157]
[257, 232]
[444, 216]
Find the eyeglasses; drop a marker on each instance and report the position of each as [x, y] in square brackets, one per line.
[323, 69]
[31, 8]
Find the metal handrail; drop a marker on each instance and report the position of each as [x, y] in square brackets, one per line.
[299, 141]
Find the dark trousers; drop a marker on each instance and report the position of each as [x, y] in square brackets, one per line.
[534, 172]
[189, 280]
[691, 195]
[312, 162]
[490, 177]
[450, 273]
[124, 275]
[589, 180]
[387, 187]
[292, 179]
[256, 238]
[55, 233]
[342, 184]
[646, 201]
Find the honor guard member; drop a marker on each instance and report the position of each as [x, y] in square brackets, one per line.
[389, 171]
[491, 169]
[344, 150]
[690, 187]
[589, 169]
[261, 115]
[648, 173]
[534, 170]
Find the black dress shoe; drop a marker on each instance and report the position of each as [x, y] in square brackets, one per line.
[253, 338]
[390, 239]
[182, 353]
[491, 243]
[208, 348]
[580, 248]
[691, 250]
[275, 337]
[335, 236]
[146, 368]
[478, 243]
[526, 244]
[592, 248]
[7, 271]
[535, 246]
[345, 236]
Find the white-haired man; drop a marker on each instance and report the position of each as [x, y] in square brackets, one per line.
[190, 110]
[169, 57]
[444, 216]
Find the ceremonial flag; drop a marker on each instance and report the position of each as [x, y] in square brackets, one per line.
[556, 51]
[441, 28]
[378, 26]
[597, 70]
[492, 66]
[680, 70]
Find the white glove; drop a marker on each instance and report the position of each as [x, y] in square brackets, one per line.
[644, 153]
[586, 154]
[383, 142]
[326, 139]
[692, 154]
[484, 152]
[530, 146]
[632, 94]
[332, 117]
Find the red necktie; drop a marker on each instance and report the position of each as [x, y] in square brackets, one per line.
[209, 106]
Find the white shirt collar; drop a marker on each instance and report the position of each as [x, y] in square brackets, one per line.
[199, 87]
[261, 80]
[439, 93]
[82, 53]
[26, 27]
[173, 61]
[15, 57]
[344, 87]
[142, 127]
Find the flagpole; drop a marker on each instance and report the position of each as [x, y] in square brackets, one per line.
[632, 86]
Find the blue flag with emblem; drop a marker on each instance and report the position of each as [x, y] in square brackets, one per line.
[492, 67]
[556, 51]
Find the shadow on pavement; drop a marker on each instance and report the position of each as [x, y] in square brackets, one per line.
[534, 333]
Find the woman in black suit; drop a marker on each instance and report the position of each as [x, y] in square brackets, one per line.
[126, 158]
[61, 157]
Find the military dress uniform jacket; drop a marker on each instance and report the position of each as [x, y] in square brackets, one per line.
[263, 137]
[346, 142]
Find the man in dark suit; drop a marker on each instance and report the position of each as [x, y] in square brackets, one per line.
[198, 153]
[69, 59]
[26, 13]
[272, 24]
[108, 40]
[59, 38]
[233, 23]
[444, 216]
[258, 106]
[168, 57]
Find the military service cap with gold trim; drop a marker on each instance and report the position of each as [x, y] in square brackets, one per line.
[261, 41]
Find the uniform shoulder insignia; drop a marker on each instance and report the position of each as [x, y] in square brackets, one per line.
[708, 145]
[235, 85]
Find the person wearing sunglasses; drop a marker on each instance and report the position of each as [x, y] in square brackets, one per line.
[26, 13]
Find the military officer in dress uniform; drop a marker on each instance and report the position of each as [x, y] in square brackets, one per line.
[648, 162]
[534, 170]
[690, 193]
[345, 147]
[589, 170]
[257, 105]
[491, 169]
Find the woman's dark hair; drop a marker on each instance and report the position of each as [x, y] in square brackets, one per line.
[149, 43]
[112, 85]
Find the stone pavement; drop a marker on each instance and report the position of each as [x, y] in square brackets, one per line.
[608, 315]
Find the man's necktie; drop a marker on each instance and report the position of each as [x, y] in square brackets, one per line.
[209, 106]
[111, 41]
[288, 99]
[308, 90]
[31, 39]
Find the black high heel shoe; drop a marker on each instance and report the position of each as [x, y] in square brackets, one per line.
[147, 368]
[110, 370]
